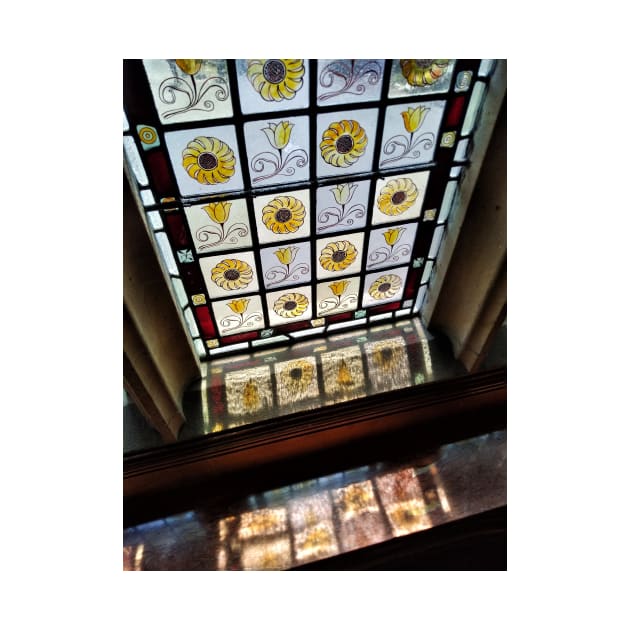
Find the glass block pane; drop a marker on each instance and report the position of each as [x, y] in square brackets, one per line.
[447, 201]
[289, 305]
[342, 207]
[420, 76]
[205, 161]
[167, 252]
[410, 133]
[349, 80]
[339, 256]
[391, 246]
[239, 315]
[283, 216]
[219, 225]
[271, 85]
[232, 274]
[185, 90]
[134, 161]
[399, 197]
[277, 150]
[286, 266]
[476, 100]
[385, 286]
[338, 296]
[345, 142]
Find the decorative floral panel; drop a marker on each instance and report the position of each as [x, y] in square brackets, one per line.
[293, 197]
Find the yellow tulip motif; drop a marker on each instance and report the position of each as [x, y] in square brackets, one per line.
[219, 212]
[339, 287]
[279, 134]
[238, 306]
[189, 66]
[286, 255]
[414, 117]
[392, 235]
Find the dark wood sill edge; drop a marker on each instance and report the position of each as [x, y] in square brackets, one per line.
[461, 399]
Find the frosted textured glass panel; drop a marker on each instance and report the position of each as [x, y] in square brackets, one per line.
[190, 320]
[147, 197]
[134, 161]
[456, 171]
[419, 299]
[180, 292]
[447, 202]
[426, 274]
[201, 351]
[125, 122]
[155, 220]
[435, 243]
[167, 252]
[476, 100]
[486, 67]
[461, 153]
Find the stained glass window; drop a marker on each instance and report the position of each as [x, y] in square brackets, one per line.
[293, 197]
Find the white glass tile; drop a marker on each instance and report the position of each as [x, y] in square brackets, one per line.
[271, 85]
[167, 252]
[345, 142]
[286, 266]
[403, 312]
[125, 122]
[186, 90]
[205, 160]
[199, 347]
[352, 324]
[391, 246]
[419, 299]
[338, 296]
[476, 100]
[146, 196]
[283, 217]
[339, 255]
[447, 201]
[380, 317]
[399, 197]
[219, 225]
[134, 161]
[307, 333]
[410, 133]
[229, 275]
[461, 153]
[239, 315]
[190, 320]
[270, 340]
[155, 220]
[342, 207]
[420, 76]
[435, 243]
[342, 81]
[486, 67]
[456, 171]
[277, 150]
[426, 274]
[180, 292]
[293, 304]
[234, 346]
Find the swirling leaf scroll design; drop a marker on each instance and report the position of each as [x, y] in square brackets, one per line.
[196, 96]
[408, 147]
[218, 235]
[388, 254]
[335, 302]
[280, 273]
[284, 162]
[242, 320]
[353, 73]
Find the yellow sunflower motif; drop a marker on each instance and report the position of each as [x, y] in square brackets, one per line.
[284, 215]
[385, 287]
[420, 72]
[208, 160]
[291, 305]
[231, 274]
[343, 143]
[338, 255]
[276, 79]
[397, 196]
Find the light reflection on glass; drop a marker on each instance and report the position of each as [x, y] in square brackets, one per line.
[132, 557]
[313, 528]
[440, 488]
[267, 555]
[388, 364]
[248, 391]
[296, 380]
[402, 500]
[262, 523]
[343, 373]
